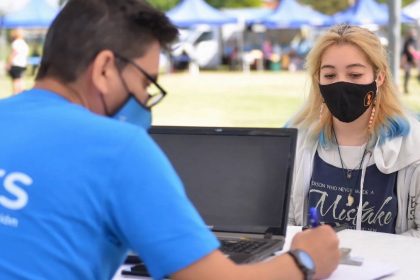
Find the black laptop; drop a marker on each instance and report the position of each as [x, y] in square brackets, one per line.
[239, 179]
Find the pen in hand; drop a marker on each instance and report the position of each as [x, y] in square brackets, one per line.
[313, 217]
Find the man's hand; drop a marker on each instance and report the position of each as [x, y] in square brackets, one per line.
[321, 244]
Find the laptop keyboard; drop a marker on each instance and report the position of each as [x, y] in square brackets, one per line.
[228, 246]
[247, 246]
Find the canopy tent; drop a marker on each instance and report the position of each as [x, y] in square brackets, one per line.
[36, 13]
[247, 15]
[291, 14]
[367, 12]
[413, 10]
[193, 12]
[8, 6]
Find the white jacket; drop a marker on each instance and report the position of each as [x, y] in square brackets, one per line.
[400, 154]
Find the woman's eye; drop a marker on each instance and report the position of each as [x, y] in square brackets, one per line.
[355, 75]
[329, 76]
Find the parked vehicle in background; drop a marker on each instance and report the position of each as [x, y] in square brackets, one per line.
[201, 46]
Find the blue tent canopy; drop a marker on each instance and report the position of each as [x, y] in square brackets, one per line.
[248, 15]
[365, 12]
[192, 12]
[36, 13]
[291, 14]
[413, 10]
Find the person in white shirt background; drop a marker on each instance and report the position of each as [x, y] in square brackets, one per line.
[17, 60]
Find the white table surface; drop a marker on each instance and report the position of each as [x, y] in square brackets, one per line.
[397, 250]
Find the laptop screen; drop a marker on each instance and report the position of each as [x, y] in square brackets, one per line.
[239, 179]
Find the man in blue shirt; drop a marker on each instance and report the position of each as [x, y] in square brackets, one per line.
[79, 188]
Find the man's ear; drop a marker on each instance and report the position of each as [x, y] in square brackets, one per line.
[103, 71]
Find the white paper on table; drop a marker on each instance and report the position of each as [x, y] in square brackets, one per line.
[369, 270]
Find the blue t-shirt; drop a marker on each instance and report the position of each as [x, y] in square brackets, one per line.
[336, 197]
[78, 190]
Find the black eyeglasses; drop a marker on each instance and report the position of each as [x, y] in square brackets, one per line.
[154, 90]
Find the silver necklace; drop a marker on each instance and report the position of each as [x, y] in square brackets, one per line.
[348, 171]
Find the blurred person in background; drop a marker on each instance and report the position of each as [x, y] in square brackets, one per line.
[267, 49]
[17, 60]
[409, 56]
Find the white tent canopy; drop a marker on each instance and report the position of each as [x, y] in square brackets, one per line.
[413, 10]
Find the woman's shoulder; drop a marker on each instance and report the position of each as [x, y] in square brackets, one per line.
[306, 141]
[411, 127]
[401, 149]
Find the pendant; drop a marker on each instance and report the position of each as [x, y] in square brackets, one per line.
[350, 200]
[348, 174]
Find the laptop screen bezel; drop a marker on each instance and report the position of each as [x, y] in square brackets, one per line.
[275, 132]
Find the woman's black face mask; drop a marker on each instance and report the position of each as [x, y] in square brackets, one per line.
[348, 101]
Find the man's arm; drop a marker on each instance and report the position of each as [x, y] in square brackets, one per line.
[320, 243]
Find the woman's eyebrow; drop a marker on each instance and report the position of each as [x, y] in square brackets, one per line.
[327, 66]
[356, 65]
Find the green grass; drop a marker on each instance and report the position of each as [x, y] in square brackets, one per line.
[238, 99]
[265, 99]
[230, 99]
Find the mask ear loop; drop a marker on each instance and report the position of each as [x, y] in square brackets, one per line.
[130, 93]
[101, 97]
[372, 114]
[321, 109]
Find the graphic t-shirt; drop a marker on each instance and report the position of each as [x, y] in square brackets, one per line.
[336, 197]
[78, 190]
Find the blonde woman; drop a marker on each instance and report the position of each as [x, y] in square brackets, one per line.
[358, 155]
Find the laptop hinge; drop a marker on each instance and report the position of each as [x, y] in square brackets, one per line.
[268, 235]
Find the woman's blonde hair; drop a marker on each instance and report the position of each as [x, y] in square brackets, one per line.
[389, 118]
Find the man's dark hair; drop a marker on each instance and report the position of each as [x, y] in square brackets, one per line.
[85, 27]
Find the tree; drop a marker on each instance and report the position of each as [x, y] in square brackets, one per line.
[333, 6]
[404, 2]
[165, 5]
[327, 7]
[234, 3]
